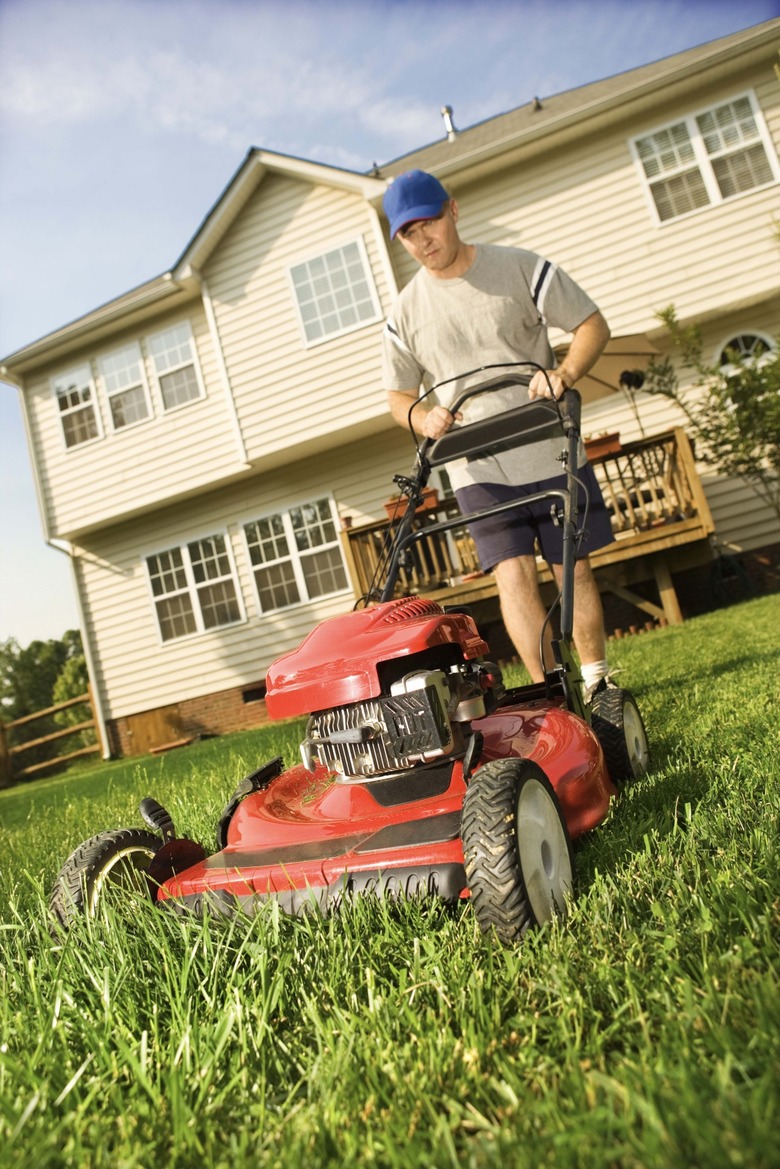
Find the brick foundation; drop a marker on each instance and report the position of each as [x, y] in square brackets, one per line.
[237, 709]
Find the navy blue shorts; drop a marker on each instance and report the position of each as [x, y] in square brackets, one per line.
[521, 531]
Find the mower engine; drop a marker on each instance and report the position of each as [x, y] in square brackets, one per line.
[418, 676]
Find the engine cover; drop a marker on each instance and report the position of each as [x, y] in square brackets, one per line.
[336, 665]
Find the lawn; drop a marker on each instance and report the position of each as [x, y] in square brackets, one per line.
[644, 1032]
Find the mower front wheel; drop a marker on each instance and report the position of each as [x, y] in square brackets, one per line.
[115, 862]
[516, 847]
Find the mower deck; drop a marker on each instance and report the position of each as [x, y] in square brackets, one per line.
[312, 837]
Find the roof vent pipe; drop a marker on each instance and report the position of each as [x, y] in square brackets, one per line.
[446, 113]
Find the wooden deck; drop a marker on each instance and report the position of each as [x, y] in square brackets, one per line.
[660, 518]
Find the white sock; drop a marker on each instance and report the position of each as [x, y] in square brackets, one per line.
[593, 672]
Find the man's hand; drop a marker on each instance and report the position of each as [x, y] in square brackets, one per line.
[437, 421]
[540, 387]
[430, 422]
[587, 342]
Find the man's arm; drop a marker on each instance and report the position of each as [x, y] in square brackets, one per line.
[587, 343]
[428, 421]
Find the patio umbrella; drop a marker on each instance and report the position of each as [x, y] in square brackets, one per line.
[622, 355]
[619, 369]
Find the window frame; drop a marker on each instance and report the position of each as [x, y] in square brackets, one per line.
[194, 361]
[94, 403]
[368, 271]
[144, 384]
[295, 556]
[728, 368]
[702, 160]
[192, 586]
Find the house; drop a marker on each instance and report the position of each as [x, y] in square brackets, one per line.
[198, 441]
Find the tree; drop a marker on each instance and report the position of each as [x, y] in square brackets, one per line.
[27, 680]
[733, 411]
[72, 681]
[27, 676]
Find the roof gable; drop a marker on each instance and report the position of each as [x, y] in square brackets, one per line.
[257, 164]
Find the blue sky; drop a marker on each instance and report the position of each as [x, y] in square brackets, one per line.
[121, 121]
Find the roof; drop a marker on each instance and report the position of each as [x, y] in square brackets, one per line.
[182, 278]
[533, 125]
[538, 118]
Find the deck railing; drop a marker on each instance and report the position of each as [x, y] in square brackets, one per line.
[651, 487]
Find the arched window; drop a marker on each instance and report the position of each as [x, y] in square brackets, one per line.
[744, 347]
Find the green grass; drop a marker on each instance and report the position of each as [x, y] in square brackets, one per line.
[644, 1032]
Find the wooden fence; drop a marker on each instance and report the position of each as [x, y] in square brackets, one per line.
[8, 754]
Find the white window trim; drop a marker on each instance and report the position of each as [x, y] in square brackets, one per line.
[165, 410]
[192, 587]
[769, 341]
[95, 406]
[144, 384]
[335, 246]
[702, 158]
[295, 556]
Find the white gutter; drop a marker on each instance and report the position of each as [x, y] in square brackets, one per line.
[614, 102]
[162, 287]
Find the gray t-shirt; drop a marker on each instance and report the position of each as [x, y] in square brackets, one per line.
[498, 311]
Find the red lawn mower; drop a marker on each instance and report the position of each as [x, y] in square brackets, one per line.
[421, 773]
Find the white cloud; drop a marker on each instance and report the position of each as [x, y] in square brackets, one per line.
[295, 73]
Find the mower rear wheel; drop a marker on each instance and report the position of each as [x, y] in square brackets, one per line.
[618, 726]
[516, 848]
[115, 862]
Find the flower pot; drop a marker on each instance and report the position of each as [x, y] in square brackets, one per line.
[604, 444]
[430, 501]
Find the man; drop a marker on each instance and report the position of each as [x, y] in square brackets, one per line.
[477, 305]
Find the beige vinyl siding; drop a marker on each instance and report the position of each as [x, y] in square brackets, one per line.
[585, 208]
[287, 394]
[168, 454]
[742, 521]
[135, 671]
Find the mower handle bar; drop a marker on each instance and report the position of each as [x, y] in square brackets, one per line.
[520, 425]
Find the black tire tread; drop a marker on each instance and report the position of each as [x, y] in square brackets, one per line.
[70, 895]
[607, 723]
[490, 848]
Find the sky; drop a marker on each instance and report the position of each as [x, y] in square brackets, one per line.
[122, 121]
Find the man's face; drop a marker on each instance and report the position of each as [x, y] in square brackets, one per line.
[434, 243]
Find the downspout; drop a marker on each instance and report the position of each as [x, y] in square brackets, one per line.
[97, 697]
[384, 254]
[222, 369]
[67, 548]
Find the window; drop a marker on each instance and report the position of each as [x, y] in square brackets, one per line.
[173, 355]
[706, 158]
[335, 292]
[743, 348]
[125, 386]
[296, 555]
[194, 588]
[75, 396]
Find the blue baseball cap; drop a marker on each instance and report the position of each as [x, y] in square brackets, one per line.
[413, 195]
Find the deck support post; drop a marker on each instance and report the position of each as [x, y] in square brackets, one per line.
[666, 589]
